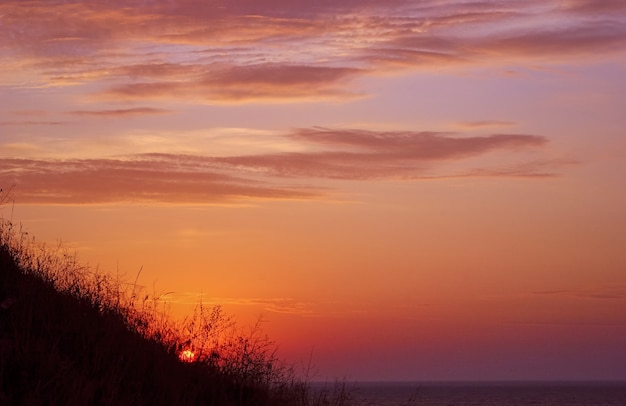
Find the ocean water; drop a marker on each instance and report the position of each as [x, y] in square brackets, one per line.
[487, 394]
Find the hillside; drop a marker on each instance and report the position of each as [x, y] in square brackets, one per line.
[55, 347]
[69, 341]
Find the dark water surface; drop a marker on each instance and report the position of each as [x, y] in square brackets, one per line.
[488, 393]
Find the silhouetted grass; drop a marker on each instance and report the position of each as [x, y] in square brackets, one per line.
[71, 335]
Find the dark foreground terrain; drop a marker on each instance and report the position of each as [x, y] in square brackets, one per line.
[56, 348]
[72, 336]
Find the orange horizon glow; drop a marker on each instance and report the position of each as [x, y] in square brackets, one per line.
[402, 190]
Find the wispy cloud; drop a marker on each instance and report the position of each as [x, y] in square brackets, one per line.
[584, 38]
[31, 122]
[484, 124]
[285, 305]
[245, 51]
[28, 113]
[246, 83]
[607, 292]
[131, 112]
[347, 154]
[361, 154]
[595, 7]
[556, 322]
[134, 179]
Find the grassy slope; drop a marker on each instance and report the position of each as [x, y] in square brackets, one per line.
[56, 348]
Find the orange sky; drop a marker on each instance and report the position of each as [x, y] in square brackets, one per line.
[405, 189]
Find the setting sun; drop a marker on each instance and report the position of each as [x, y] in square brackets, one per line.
[187, 356]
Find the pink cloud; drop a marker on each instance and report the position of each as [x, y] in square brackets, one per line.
[592, 37]
[245, 50]
[454, 40]
[240, 83]
[136, 111]
[415, 144]
[30, 122]
[29, 113]
[595, 6]
[361, 154]
[485, 124]
[348, 154]
[141, 179]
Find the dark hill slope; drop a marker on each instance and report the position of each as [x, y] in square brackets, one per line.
[57, 348]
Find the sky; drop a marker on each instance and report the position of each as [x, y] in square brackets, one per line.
[401, 189]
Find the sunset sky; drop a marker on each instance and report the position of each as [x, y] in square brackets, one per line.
[403, 189]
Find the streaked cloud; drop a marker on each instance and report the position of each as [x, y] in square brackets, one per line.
[414, 144]
[484, 124]
[30, 122]
[243, 51]
[568, 323]
[361, 154]
[347, 154]
[591, 37]
[285, 305]
[137, 179]
[595, 7]
[532, 169]
[135, 111]
[247, 83]
[28, 113]
[606, 292]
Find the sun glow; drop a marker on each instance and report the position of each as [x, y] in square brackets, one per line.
[187, 356]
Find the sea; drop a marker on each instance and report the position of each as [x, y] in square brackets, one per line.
[482, 393]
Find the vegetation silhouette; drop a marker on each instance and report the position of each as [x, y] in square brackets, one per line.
[73, 335]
